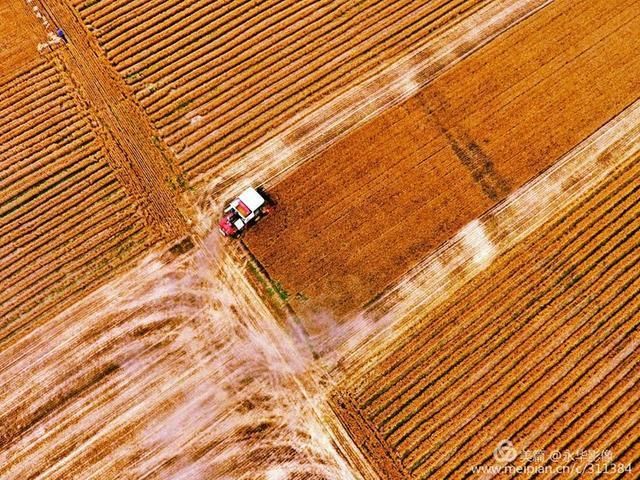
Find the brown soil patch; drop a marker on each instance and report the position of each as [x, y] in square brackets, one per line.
[20, 34]
[541, 349]
[356, 218]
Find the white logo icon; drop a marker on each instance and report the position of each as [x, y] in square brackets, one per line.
[505, 452]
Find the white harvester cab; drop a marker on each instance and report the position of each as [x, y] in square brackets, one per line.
[240, 212]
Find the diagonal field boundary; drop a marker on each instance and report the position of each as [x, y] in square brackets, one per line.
[473, 249]
[309, 133]
[142, 164]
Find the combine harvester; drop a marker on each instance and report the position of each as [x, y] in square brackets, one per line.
[248, 208]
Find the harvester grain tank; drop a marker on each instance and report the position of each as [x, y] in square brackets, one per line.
[250, 206]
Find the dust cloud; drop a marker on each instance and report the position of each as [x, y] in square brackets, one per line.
[176, 371]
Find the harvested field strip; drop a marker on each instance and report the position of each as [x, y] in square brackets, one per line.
[224, 21]
[27, 104]
[277, 72]
[275, 54]
[65, 128]
[30, 94]
[627, 448]
[136, 154]
[61, 135]
[56, 122]
[269, 22]
[64, 219]
[31, 159]
[48, 272]
[89, 9]
[380, 183]
[42, 186]
[240, 68]
[418, 462]
[32, 221]
[142, 14]
[615, 433]
[283, 103]
[14, 215]
[406, 428]
[544, 396]
[550, 196]
[538, 360]
[492, 306]
[32, 112]
[44, 248]
[81, 137]
[313, 130]
[128, 372]
[48, 91]
[12, 88]
[496, 369]
[614, 393]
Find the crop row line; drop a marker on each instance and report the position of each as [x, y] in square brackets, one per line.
[566, 230]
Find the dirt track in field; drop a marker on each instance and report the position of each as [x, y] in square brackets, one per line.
[176, 370]
[541, 349]
[140, 161]
[356, 218]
